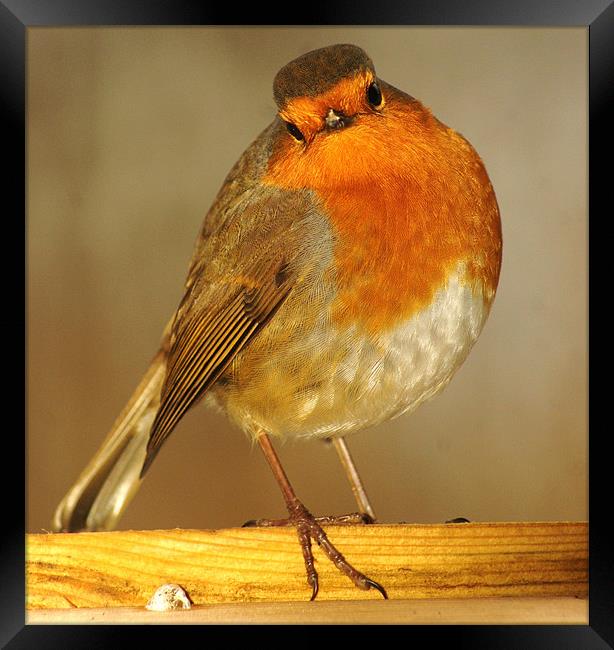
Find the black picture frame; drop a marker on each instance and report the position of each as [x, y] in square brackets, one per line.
[16, 16]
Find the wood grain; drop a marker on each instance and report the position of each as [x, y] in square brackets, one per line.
[447, 561]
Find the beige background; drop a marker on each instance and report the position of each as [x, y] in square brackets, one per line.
[131, 133]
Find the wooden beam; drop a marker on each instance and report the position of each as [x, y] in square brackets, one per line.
[241, 565]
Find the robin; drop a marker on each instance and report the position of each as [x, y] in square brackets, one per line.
[340, 278]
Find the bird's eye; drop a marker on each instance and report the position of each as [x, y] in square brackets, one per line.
[374, 94]
[294, 131]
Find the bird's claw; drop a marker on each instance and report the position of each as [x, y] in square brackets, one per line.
[376, 585]
[315, 588]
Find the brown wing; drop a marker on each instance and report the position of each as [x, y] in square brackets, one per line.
[206, 340]
[244, 267]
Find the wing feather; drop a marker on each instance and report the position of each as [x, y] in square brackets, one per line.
[204, 344]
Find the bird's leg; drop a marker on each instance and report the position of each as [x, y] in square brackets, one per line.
[351, 472]
[309, 529]
[366, 514]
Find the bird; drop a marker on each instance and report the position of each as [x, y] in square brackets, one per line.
[340, 278]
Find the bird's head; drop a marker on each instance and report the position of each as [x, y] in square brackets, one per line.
[327, 90]
[339, 124]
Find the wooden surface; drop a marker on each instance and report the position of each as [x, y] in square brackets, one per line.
[246, 565]
[458, 611]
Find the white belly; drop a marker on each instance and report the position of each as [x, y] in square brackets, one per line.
[414, 361]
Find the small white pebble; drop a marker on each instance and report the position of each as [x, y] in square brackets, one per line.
[169, 597]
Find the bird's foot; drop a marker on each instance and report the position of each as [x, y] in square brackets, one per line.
[333, 520]
[308, 528]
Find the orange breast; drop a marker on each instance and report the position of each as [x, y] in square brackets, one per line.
[408, 199]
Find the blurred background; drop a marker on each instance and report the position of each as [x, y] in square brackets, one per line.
[131, 132]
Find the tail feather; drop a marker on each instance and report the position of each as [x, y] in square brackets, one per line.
[111, 479]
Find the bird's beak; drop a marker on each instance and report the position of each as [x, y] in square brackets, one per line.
[336, 120]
